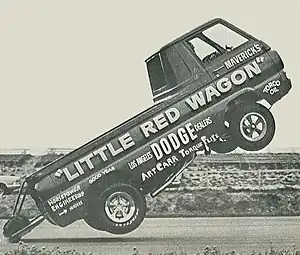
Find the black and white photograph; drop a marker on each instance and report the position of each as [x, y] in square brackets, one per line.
[149, 127]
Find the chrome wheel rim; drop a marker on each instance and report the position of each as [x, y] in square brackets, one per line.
[253, 126]
[119, 207]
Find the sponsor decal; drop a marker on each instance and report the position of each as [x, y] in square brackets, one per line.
[173, 141]
[170, 161]
[203, 124]
[63, 212]
[182, 136]
[223, 86]
[160, 166]
[65, 199]
[76, 205]
[101, 174]
[243, 56]
[272, 87]
[205, 141]
[140, 160]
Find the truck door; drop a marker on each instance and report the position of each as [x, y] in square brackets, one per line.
[170, 72]
[222, 48]
[235, 61]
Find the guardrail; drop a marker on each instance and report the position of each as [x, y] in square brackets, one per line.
[251, 180]
[262, 158]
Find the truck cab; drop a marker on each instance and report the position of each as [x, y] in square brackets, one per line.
[216, 58]
[213, 89]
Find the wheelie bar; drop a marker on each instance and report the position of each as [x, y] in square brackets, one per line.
[16, 236]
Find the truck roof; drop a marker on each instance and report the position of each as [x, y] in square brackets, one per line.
[195, 30]
[187, 34]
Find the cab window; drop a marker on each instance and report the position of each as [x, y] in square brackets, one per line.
[214, 42]
[156, 74]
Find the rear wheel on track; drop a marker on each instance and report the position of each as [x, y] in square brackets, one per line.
[119, 208]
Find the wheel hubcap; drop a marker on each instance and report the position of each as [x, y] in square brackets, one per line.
[253, 126]
[119, 207]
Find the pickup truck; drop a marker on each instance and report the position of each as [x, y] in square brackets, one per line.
[213, 89]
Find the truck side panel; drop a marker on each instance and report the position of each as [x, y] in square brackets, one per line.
[155, 145]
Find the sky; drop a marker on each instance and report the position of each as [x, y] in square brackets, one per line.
[71, 70]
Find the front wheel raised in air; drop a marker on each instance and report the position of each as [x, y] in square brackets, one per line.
[253, 128]
[119, 209]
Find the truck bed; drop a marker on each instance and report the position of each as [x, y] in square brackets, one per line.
[107, 136]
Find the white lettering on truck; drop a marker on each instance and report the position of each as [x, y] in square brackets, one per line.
[101, 174]
[238, 77]
[65, 198]
[140, 160]
[162, 120]
[160, 166]
[173, 141]
[150, 127]
[244, 55]
[125, 141]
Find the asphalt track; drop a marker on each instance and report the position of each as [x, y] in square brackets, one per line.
[166, 235]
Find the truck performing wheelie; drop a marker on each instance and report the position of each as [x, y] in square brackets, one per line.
[213, 89]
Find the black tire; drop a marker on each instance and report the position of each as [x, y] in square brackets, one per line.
[95, 224]
[101, 217]
[245, 123]
[226, 146]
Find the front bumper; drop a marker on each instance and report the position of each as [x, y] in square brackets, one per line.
[275, 88]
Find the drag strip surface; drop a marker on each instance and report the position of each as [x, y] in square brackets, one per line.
[169, 234]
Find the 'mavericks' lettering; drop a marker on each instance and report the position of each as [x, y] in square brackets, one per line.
[244, 55]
